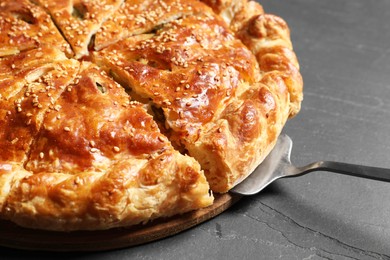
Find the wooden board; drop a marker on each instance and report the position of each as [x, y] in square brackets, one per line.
[14, 236]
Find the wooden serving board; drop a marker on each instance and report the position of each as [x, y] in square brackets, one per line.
[17, 237]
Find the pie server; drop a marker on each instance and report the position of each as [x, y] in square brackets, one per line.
[278, 165]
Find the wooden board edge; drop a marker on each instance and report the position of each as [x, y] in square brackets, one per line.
[13, 236]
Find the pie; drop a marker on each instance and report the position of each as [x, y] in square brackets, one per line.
[114, 113]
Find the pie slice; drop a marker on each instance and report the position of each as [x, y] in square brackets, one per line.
[142, 16]
[79, 20]
[25, 26]
[99, 161]
[26, 94]
[215, 102]
[30, 82]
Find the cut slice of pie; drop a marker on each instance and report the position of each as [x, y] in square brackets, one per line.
[217, 104]
[143, 16]
[30, 82]
[99, 161]
[25, 26]
[79, 20]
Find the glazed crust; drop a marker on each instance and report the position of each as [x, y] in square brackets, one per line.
[95, 161]
[79, 20]
[268, 38]
[25, 26]
[142, 16]
[173, 98]
[280, 91]
[221, 103]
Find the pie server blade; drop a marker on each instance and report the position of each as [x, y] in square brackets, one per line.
[278, 165]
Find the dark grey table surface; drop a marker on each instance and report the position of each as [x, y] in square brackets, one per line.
[344, 51]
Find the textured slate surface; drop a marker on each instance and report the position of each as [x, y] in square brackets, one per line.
[344, 50]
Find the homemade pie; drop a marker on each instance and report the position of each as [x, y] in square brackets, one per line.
[114, 113]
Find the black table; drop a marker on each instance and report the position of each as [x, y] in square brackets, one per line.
[344, 51]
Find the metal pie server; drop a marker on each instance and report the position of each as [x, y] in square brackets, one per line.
[278, 165]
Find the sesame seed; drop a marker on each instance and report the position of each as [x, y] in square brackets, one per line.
[116, 149]
[161, 139]
[94, 150]
[41, 155]
[66, 129]
[92, 143]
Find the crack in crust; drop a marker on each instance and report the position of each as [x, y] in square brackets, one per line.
[78, 152]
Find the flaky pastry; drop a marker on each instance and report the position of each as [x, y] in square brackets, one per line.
[114, 113]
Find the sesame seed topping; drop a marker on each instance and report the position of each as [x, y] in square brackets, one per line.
[116, 149]
[41, 155]
[94, 150]
[67, 129]
[181, 114]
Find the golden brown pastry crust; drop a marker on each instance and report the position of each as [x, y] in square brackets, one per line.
[79, 20]
[268, 37]
[96, 161]
[225, 110]
[29, 83]
[213, 94]
[25, 26]
[142, 16]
